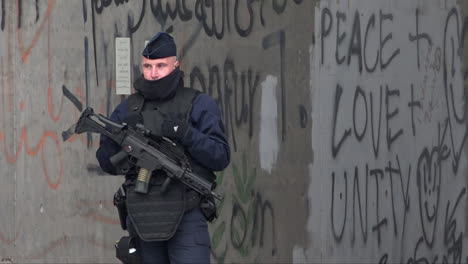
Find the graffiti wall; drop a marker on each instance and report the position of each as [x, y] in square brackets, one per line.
[57, 57]
[346, 121]
[389, 131]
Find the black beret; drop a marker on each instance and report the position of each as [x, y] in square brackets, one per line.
[162, 45]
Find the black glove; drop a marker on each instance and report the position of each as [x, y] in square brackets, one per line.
[174, 128]
[162, 125]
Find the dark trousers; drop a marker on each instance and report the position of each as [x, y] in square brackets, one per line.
[190, 243]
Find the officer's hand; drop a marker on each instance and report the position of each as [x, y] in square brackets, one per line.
[174, 128]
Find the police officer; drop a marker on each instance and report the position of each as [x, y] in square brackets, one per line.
[169, 226]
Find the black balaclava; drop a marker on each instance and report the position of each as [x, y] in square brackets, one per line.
[160, 89]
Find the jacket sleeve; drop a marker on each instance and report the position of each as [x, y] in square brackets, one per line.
[107, 147]
[206, 140]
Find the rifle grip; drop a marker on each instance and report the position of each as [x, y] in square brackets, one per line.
[119, 157]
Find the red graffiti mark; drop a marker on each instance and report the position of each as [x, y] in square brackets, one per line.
[9, 241]
[102, 109]
[50, 101]
[82, 139]
[43, 155]
[96, 243]
[60, 242]
[101, 218]
[11, 158]
[25, 54]
[96, 216]
[75, 137]
[31, 151]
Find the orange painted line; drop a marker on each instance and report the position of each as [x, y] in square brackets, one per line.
[50, 104]
[101, 218]
[74, 138]
[102, 108]
[11, 158]
[8, 241]
[11, 241]
[44, 165]
[25, 54]
[50, 101]
[79, 93]
[31, 152]
[93, 241]
[60, 242]
[112, 84]
[82, 139]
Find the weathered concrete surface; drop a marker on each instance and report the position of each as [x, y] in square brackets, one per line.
[346, 121]
[389, 133]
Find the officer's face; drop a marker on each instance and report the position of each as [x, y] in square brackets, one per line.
[158, 68]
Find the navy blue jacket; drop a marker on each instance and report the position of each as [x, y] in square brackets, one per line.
[207, 143]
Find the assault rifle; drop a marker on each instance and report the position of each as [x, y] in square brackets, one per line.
[136, 144]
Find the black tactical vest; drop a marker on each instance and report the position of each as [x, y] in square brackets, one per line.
[156, 216]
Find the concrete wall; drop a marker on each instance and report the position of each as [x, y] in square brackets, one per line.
[346, 121]
[389, 133]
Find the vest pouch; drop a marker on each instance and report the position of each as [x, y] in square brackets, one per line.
[119, 203]
[156, 216]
